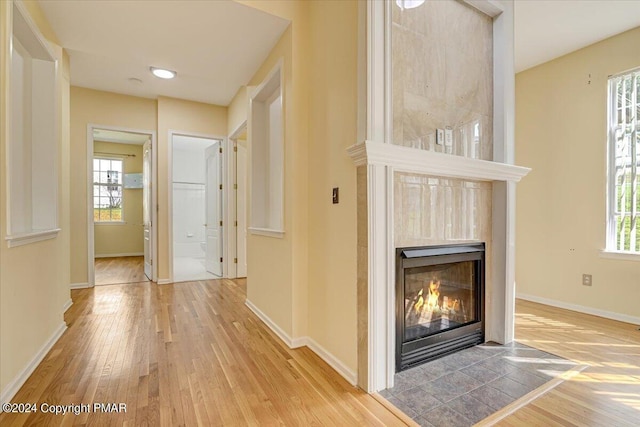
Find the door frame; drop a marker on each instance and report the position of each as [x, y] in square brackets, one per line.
[91, 274]
[231, 197]
[225, 186]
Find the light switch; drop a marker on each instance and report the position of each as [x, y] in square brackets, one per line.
[336, 195]
[440, 136]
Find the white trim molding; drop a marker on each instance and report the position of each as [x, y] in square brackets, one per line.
[413, 160]
[164, 281]
[331, 360]
[67, 305]
[14, 385]
[266, 232]
[119, 255]
[27, 238]
[634, 320]
[80, 286]
[272, 325]
[620, 256]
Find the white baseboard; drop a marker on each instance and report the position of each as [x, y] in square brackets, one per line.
[164, 281]
[348, 374]
[67, 305]
[581, 309]
[271, 324]
[80, 286]
[119, 255]
[12, 388]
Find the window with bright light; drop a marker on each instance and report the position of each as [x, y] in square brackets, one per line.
[107, 190]
[624, 161]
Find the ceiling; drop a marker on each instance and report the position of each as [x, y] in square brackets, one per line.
[215, 46]
[548, 29]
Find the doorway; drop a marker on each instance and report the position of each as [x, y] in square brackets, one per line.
[196, 231]
[121, 195]
[238, 140]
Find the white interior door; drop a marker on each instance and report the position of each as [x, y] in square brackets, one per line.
[146, 208]
[241, 207]
[213, 196]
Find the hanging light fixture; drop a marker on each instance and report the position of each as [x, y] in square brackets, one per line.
[409, 4]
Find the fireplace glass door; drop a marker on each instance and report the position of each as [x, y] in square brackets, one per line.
[439, 301]
[438, 298]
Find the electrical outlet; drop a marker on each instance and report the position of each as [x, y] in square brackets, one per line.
[587, 279]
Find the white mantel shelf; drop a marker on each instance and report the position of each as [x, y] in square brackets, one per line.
[413, 160]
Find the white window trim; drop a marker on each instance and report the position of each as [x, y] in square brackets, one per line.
[611, 251]
[122, 221]
[620, 255]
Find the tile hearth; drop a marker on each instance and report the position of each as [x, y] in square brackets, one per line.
[466, 387]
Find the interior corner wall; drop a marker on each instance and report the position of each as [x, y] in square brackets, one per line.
[90, 106]
[332, 227]
[270, 260]
[561, 133]
[112, 239]
[32, 300]
[238, 109]
[188, 117]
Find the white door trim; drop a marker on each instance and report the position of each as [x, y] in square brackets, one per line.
[91, 275]
[225, 186]
[231, 233]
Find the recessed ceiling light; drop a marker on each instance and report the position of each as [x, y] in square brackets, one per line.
[409, 4]
[162, 73]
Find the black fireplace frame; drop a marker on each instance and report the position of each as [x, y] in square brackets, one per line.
[421, 350]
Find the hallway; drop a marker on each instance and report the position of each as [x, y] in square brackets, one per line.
[186, 354]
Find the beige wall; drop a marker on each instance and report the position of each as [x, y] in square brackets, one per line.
[32, 299]
[185, 117]
[237, 110]
[332, 128]
[115, 239]
[313, 290]
[100, 108]
[561, 133]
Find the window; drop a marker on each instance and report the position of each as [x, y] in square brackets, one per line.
[624, 161]
[107, 190]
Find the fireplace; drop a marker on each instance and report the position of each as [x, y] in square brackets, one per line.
[439, 301]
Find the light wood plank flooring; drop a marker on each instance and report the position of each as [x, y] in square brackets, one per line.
[607, 393]
[112, 271]
[193, 354]
[187, 354]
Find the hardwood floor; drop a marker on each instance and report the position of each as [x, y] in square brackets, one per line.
[112, 271]
[186, 354]
[606, 393]
[193, 354]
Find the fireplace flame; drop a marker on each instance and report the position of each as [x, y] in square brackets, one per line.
[420, 302]
[434, 294]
